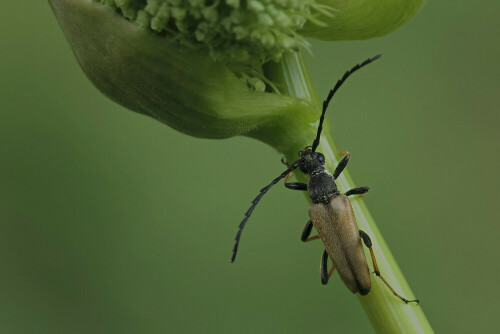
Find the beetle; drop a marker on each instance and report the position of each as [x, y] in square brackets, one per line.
[331, 212]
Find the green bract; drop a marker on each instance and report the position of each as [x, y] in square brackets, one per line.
[181, 87]
[362, 19]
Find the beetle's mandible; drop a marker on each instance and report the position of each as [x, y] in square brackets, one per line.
[331, 213]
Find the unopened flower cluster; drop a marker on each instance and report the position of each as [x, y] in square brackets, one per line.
[235, 32]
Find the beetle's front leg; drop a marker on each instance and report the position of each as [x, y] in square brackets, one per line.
[296, 186]
[368, 244]
[325, 275]
[306, 232]
[293, 185]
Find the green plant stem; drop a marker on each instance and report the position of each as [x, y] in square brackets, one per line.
[387, 313]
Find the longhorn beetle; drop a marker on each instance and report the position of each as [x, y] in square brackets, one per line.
[331, 212]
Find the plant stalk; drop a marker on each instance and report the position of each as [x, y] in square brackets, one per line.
[387, 313]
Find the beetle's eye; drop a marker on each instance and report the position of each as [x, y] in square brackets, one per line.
[321, 157]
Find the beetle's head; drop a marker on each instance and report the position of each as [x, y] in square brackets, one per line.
[310, 160]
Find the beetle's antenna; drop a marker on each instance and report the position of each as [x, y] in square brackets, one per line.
[256, 201]
[333, 91]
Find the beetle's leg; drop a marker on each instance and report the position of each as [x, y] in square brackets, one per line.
[293, 185]
[368, 243]
[357, 191]
[296, 186]
[306, 232]
[325, 276]
[340, 167]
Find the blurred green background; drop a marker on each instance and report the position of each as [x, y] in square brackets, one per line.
[111, 222]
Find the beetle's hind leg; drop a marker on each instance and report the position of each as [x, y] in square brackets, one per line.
[357, 191]
[368, 243]
[325, 275]
[292, 185]
[306, 232]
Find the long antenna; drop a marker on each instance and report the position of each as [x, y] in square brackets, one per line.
[256, 201]
[333, 91]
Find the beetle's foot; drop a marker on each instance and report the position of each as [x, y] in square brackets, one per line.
[411, 301]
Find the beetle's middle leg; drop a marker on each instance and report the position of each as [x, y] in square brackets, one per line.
[306, 232]
[293, 185]
[368, 243]
[325, 276]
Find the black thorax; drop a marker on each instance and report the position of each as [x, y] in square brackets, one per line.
[321, 186]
